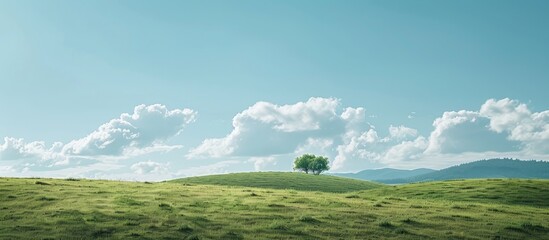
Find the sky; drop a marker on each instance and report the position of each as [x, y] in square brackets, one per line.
[156, 90]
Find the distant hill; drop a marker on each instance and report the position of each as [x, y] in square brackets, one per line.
[492, 168]
[283, 180]
[379, 175]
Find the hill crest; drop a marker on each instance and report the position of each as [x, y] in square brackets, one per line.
[283, 180]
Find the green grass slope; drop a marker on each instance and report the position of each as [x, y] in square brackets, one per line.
[284, 180]
[505, 191]
[86, 209]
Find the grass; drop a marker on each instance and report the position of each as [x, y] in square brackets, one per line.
[283, 180]
[504, 191]
[93, 209]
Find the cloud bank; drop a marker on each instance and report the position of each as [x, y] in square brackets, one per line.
[267, 136]
[149, 167]
[321, 125]
[145, 130]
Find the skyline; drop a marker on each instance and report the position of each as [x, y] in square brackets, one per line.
[152, 91]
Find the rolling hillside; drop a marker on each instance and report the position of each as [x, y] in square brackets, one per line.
[504, 191]
[93, 209]
[283, 180]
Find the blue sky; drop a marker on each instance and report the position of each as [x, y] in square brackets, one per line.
[289, 69]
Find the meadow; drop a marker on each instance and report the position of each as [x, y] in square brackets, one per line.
[239, 206]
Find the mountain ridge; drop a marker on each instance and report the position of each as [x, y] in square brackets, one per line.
[486, 168]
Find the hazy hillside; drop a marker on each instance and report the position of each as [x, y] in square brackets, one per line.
[492, 168]
[283, 180]
[90, 209]
[380, 175]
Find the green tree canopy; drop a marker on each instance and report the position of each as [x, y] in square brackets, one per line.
[310, 162]
[302, 163]
[319, 164]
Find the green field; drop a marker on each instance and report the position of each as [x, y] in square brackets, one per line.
[191, 209]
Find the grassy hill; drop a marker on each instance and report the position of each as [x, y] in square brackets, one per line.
[283, 180]
[526, 192]
[93, 209]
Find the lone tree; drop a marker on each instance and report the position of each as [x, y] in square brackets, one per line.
[302, 163]
[310, 162]
[319, 164]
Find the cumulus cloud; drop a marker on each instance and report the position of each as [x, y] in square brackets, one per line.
[367, 146]
[318, 126]
[14, 149]
[260, 163]
[356, 144]
[406, 151]
[267, 129]
[148, 127]
[505, 114]
[401, 132]
[500, 126]
[321, 146]
[321, 126]
[149, 167]
[145, 130]
[268, 136]
[466, 131]
[515, 119]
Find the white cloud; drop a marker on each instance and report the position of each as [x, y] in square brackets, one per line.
[14, 149]
[261, 163]
[148, 127]
[320, 126]
[320, 146]
[446, 122]
[467, 131]
[406, 151]
[355, 145]
[500, 125]
[515, 119]
[149, 167]
[316, 126]
[505, 114]
[412, 115]
[267, 129]
[354, 115]
[367, 146]
[267, 136]
[402, 132]
[301, 116]
[94, 170]
[145, 130]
